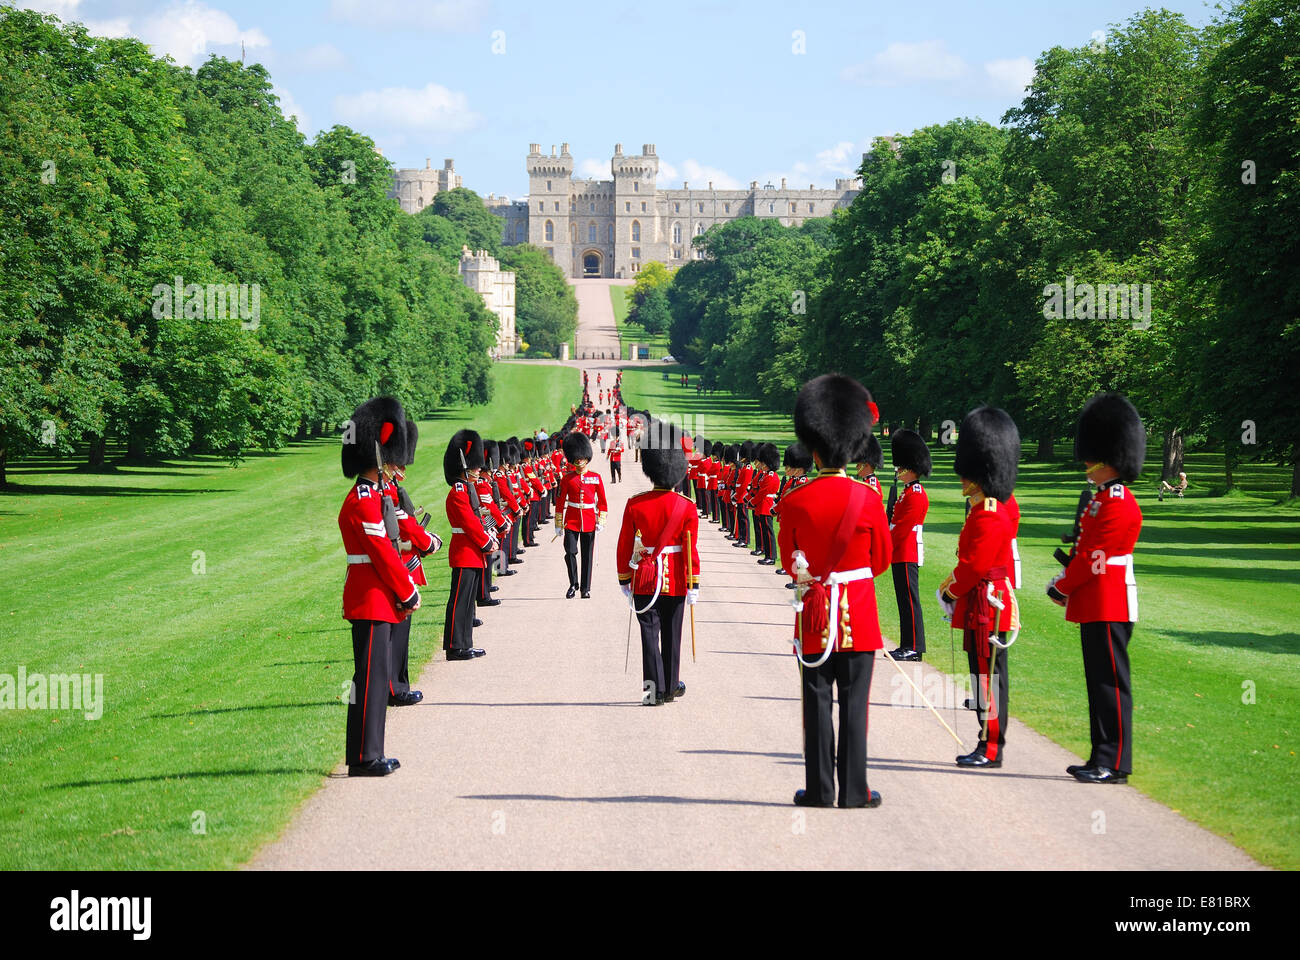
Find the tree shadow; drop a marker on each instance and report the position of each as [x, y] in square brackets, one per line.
[45, 490]
[251, 706]
[1256, 574]
[643, 798]
[185, 775]
[1264, 643]
[606, 703]
[747, 753]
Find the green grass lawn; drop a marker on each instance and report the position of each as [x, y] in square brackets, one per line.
[1214, 653]
[223, 671]
[629, 333]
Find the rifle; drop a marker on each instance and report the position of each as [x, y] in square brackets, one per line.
[1085, 497]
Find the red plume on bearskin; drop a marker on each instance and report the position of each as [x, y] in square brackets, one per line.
[464, 452]
[380, 420]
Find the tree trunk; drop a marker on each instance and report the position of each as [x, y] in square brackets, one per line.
[1227, 465]
[134, 446]
[1295, 473]
[1172, 456]
[4, 460]
[924, 429]
[97, 449]
[1046, 447]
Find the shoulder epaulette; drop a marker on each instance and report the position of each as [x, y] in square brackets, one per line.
[990, 505]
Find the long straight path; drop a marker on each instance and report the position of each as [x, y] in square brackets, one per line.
[539, 755]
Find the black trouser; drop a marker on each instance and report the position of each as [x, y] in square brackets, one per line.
[699, 494]
[458, 622]
[763, 535]
[485, 582]
[530, 524]
[513, 543]
[615, 471]
[1110, 696]
[851, 673]
[726, 516]
[661, 641]
[993, 724]
[572, 540]
[399, 646]
[742, 524]
[369, 701]
[713, 505]
[907, 592]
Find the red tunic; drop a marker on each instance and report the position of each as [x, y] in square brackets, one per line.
[765, 496]
[646, 515]
[982, 549]
[489, 506]
[583, 500]
[419, 538]
[1012, 559]
[905, 527]
[376, 579]
[1099, 584]
[468, 538]
[810, 514]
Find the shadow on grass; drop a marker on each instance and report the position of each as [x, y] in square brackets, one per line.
[188, 774]
[251, 706]
[1264, 643]
[1256, 574]
[46, 490]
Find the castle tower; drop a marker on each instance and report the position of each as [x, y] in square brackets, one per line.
[637, 236]
[550, 191]
[415, 188]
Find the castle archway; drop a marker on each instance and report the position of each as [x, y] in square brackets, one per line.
[593, 263]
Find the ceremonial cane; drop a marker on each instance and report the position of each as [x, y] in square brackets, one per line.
[688, 590]
[925, 700]
[627, 651]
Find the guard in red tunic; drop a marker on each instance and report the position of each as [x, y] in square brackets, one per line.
[906, 521]
[616, 448]
[416, 543]
[509, 505]
[744, 474]
[653, 566]
[870, 459]
[1098, 589]
[978, 595]
[582, 512]
[469, 543]
[834, 538]
[493, 518]
[797, 461]
[767, 486]
[378, 591]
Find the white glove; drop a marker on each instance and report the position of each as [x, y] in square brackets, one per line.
[599, 527]
[948, 606]
[627, 590]
[692, 597]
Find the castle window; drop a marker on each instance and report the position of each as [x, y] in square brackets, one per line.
[541, 206]
[699, 229]
[677, 208]
[677, 233]
[810, 208]
[557, 206]
[793, 208]
[643, 206]
[611, 209]
[548, 186]
[422, 203]
[771, 208]
[627, 206]
[701, 206]
[519, 233]
[726, 207]
[550, 232]
[677, 253]
[591, 208]
[591, 233]
[636, 253]
[573, 232]
[636, 187]
[636, 231]
[609, 233]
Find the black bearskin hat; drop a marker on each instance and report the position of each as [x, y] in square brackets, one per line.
[833, 418]
[797, 456]
[379, 420]
[910, 452]
[747, 451]
[768, 455]
[988, 450]
[492, 454]
[872, 452]
[412, 437]
[464, 444]
[577, 447]
[1111, 432]
[706, 448]
[665, 466]
[528, 448]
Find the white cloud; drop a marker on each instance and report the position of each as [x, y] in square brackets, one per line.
[321, 58]
[289, 107]
[1010, 76]
[595, 169]
[931, 62]
[429, 109]
[440, 15]
[190, 31]
[63, 9]
[66, 10]
[698, 175]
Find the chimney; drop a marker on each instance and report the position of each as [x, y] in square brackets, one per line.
[686, 185]
[552, 149]
[753, 184]
[618, 149]
[428, 163]
[811, 187]
[710, 184]
[564, 149]
[783, 183]
[534, 148]
[449, 164]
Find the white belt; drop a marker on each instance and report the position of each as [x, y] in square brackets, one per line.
[358, 558]
[579, 506]
[457, 530]
[1015, 562]
[1130, 582]
[1124, 561]
[833, 581]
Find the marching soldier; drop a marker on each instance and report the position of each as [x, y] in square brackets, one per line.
[378, 591]
[1098, 589]
[469, 543]
[911, 457]
[978, 596]
[616, 448]
[834, 538]
[658, 575]
[582, 513]
[416, 543]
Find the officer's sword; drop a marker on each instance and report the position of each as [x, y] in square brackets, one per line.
[688, 590]
[925, 700]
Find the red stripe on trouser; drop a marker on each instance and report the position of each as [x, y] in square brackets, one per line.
[370, 649]
[1119, 713]
[455, 593]
[911, 610]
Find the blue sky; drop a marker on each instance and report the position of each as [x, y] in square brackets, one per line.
[729, 92]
